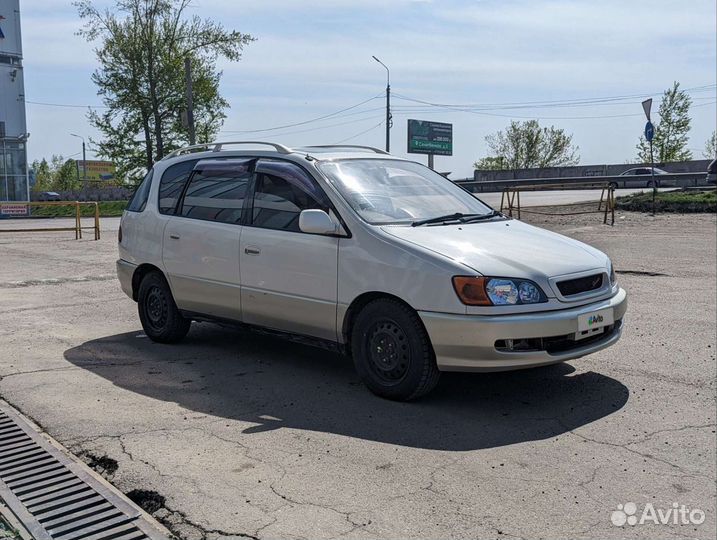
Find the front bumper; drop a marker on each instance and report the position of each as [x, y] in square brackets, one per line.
[468, 342]
[125, 271]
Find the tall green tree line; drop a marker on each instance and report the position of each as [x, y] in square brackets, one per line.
[141, 46]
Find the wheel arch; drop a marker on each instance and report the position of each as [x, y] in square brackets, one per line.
[139, 273]
[355, 308]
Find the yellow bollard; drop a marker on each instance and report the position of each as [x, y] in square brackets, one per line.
[97, 221]
[78, 221]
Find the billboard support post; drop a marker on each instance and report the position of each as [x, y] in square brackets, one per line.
[430, 161]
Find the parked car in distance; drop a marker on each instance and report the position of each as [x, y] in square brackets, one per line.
[369, 254]
[637, 178]
[49, 196]
[712, 172]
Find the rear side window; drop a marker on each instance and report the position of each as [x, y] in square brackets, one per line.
[138, 201]
[172, 184]
[282, 191]
[217, 195]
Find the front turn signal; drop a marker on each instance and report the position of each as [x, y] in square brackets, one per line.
[471, 290]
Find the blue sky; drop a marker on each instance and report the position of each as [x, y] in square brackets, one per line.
[313, 58]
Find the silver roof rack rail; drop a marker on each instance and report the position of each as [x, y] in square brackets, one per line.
[217, 147]
[349, 146]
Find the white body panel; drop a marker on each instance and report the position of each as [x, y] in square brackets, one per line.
[289, 281]
[306, 283]
[201, 260]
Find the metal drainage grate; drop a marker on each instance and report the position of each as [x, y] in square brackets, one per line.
[57, 498]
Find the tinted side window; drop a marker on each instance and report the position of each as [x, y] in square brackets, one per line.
[282, 191]
[138, 201]
[172, 184]
[216, 196]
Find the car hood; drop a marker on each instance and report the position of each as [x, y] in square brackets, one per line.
[506, 248]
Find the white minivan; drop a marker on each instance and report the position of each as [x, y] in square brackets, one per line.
[373, 255]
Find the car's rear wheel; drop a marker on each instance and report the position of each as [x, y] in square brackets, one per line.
[392, 352]
[160, 317]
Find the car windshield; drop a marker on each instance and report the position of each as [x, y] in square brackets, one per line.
[386, 191]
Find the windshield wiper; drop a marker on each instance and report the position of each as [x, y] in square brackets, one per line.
[439, 219]
[481, 217]
[458, 216]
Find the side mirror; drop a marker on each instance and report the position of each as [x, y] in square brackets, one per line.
[316, 222]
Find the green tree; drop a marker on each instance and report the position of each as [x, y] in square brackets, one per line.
[141, 48]
[711, 146]
[59, 174]
[671, 139]
[491, 163]
[64, 174]
[524, 145]
[43, 175]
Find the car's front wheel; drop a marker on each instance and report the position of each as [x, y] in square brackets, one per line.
[160, 317]
[392, 352]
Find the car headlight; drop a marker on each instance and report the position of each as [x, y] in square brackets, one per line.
[487, 291]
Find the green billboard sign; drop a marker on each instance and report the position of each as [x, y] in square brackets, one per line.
[425, 137]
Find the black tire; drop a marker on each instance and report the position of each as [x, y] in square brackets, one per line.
[613, 185]
[161, 320]
[650, 183]
[392, 352]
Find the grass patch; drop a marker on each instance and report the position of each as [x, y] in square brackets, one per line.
[107, 209]
[684, 202]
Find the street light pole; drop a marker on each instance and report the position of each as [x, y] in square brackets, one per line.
[388, 104]
[84, 160]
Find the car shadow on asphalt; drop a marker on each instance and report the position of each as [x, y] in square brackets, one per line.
[272, 384]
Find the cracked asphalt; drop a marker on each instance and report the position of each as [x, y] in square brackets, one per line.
[242, 435]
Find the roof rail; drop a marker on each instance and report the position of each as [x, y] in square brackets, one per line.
[350, 146]
[217, 147]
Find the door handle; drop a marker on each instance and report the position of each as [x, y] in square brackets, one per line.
[252, 250]
[174, 236]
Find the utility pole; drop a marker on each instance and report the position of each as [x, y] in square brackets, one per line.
[190, 101]
[388, 105]
[84, 165]
[84, 162]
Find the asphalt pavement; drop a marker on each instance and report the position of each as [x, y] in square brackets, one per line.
[239, 434]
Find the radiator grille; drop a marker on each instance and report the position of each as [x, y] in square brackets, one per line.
[585, 284]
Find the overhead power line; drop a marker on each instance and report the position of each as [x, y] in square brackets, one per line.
[347, 139]
[281, 134]
[551, 103]
[68, 105]
[318, 118]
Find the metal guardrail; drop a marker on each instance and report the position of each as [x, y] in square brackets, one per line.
[78, 228]
[629, 181]
[510, 200]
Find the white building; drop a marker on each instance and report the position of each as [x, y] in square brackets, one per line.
[13, 126]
